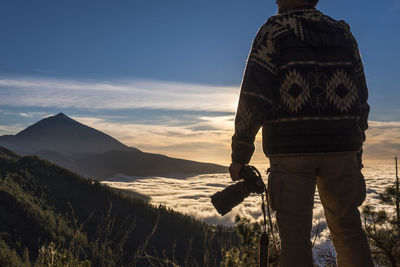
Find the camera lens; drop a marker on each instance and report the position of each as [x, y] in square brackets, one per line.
[229, 198]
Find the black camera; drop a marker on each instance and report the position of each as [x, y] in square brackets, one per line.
[233, 195]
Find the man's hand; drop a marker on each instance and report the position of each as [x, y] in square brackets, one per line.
[234, 170]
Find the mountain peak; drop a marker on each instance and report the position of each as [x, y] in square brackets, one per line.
[60, 115]
[63, 135]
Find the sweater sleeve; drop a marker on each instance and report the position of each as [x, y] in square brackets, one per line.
[363, 91]
[256, 97]
[363, 96]
[360, 82]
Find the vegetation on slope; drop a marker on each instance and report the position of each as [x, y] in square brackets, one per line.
[49, 215]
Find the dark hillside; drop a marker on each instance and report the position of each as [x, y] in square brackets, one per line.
[43, 204]
[133, 163]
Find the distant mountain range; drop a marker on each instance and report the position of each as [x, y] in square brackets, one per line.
[92, 153]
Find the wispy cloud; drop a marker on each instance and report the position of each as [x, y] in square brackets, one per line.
[207, 140]
[10, 129]
[197, 122]
[383, 140]
[33, 114]
[116, 95]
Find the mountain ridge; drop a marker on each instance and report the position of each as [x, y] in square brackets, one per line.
[92, 153]
[48, 132]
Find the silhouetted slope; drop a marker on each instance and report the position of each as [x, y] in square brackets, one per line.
[57, 159]
[6, 157]
[134, 163]
[39, 202]
[63, 135]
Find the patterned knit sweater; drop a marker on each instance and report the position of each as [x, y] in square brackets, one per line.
[304, 84]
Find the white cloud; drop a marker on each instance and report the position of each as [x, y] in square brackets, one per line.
[33, 114]
[10, 129]
[117, 95]
[23, 114]
[192, 195]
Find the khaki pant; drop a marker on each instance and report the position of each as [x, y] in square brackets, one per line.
[341, 188]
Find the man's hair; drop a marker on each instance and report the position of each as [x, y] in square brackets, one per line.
[313, 2]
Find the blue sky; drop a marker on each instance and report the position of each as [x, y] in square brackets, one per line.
[168, 70]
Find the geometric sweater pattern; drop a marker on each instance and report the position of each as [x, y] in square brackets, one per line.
[304, 85]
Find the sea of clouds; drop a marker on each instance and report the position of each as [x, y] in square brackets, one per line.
[192, 195]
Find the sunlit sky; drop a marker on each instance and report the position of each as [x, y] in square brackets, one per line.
[164, 76]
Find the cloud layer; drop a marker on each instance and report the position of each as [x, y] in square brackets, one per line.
[192, 195]
[116, 95]
[180, 120]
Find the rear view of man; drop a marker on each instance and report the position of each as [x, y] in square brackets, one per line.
[304, 84]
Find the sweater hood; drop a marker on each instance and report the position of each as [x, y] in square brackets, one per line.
[314, 27]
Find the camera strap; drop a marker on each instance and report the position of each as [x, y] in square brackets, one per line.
[264, 239]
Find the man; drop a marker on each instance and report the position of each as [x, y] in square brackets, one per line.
[304, 84]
